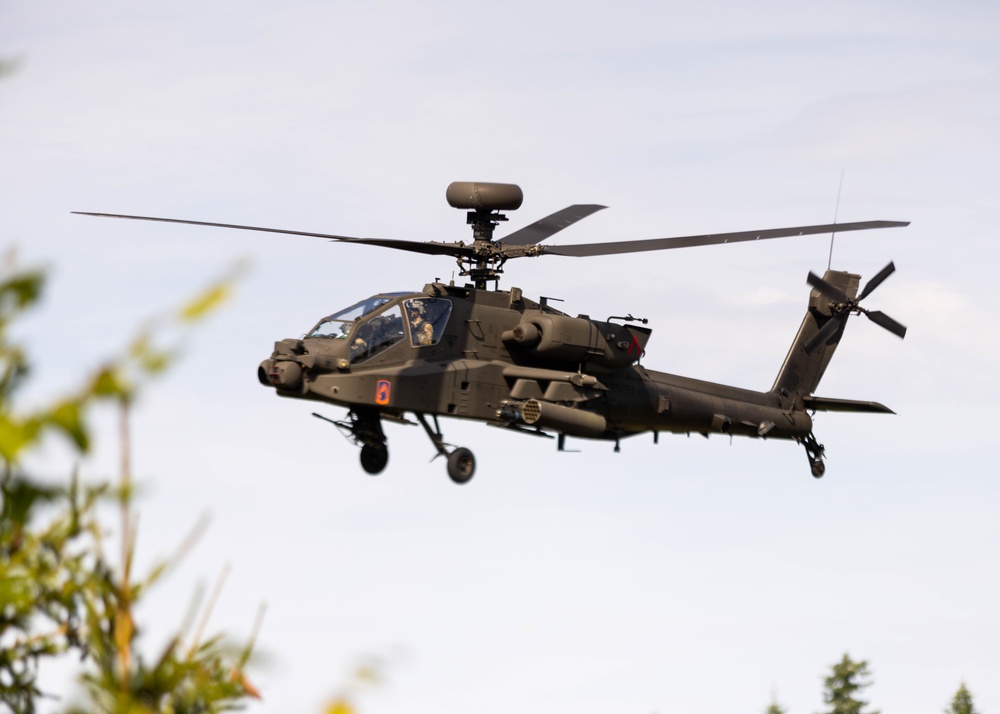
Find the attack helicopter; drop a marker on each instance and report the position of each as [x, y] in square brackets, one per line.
[475, 351]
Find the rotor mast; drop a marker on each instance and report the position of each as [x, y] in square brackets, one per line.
[488, 261]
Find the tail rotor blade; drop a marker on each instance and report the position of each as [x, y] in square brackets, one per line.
[842, 306]
[823, 334]
[877, 280]
[883, 320]
[826, 288]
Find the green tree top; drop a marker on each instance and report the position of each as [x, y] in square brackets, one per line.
[842, 687]
[961, 703]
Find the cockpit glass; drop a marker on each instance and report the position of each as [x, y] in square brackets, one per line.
[428, 318]
[339, 323]
[376, 333]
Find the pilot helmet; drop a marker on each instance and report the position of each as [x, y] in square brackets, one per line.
[415, 308]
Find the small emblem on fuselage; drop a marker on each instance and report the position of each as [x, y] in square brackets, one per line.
[382, 390]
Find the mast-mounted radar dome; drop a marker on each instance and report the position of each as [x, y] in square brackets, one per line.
[480, 196]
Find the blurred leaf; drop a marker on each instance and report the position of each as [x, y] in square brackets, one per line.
[148, 359]
[369, 673]
[20, 496]
[123, 492]
[15, 591]
[13, 370]
[239, 677]
[107, 383]
[213, 296]
[206, 302]
[155, 573]
[21, 290]
[16, 435]
[68, 417]
[339, 706]
[155, 361]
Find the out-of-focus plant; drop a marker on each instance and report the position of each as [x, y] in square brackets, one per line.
[368, 674]
[774, 707]
[59, 590]
[962, 702]
[842, 688]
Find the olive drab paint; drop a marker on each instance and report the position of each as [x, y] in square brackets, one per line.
[476, 352]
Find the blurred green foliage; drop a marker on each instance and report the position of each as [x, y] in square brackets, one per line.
[774, 707]
[962, 702]
[59, 591]
[843, 686]
[848, 678]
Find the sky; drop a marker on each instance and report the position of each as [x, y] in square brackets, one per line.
[697, 576]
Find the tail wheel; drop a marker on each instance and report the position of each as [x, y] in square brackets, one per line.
[374, 457]
[461, 465]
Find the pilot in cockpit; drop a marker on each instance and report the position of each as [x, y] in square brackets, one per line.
[377, 334]
[422, 331]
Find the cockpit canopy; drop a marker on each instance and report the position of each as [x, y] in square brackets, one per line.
[381, 321]
[339, 323]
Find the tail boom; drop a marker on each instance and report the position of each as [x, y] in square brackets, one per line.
[802, 369]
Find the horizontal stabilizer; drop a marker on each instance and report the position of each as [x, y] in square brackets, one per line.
[825, 404]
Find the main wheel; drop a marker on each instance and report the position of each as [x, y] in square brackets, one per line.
[818, 468]
[374, 457]
[461, 465]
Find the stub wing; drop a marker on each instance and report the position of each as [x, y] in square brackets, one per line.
[826, 404]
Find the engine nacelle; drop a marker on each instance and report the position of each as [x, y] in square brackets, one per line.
[577, 340]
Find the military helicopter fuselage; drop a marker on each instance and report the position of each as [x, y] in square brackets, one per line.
[496, 356]
[500, 358]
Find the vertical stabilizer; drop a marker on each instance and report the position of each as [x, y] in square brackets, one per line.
[800, 374]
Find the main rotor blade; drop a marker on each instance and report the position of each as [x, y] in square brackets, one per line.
[826, 289]
[638, 246]
[455, 249]
[877, 280]
[550, 225]
[428, 248]
[883, 320]
[216, 225]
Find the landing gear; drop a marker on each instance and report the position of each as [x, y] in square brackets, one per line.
[814, 452]
[461, 465]
[461, 462]
[374, 457]
[365, 428]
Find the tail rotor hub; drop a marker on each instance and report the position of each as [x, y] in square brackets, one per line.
[841, 306]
